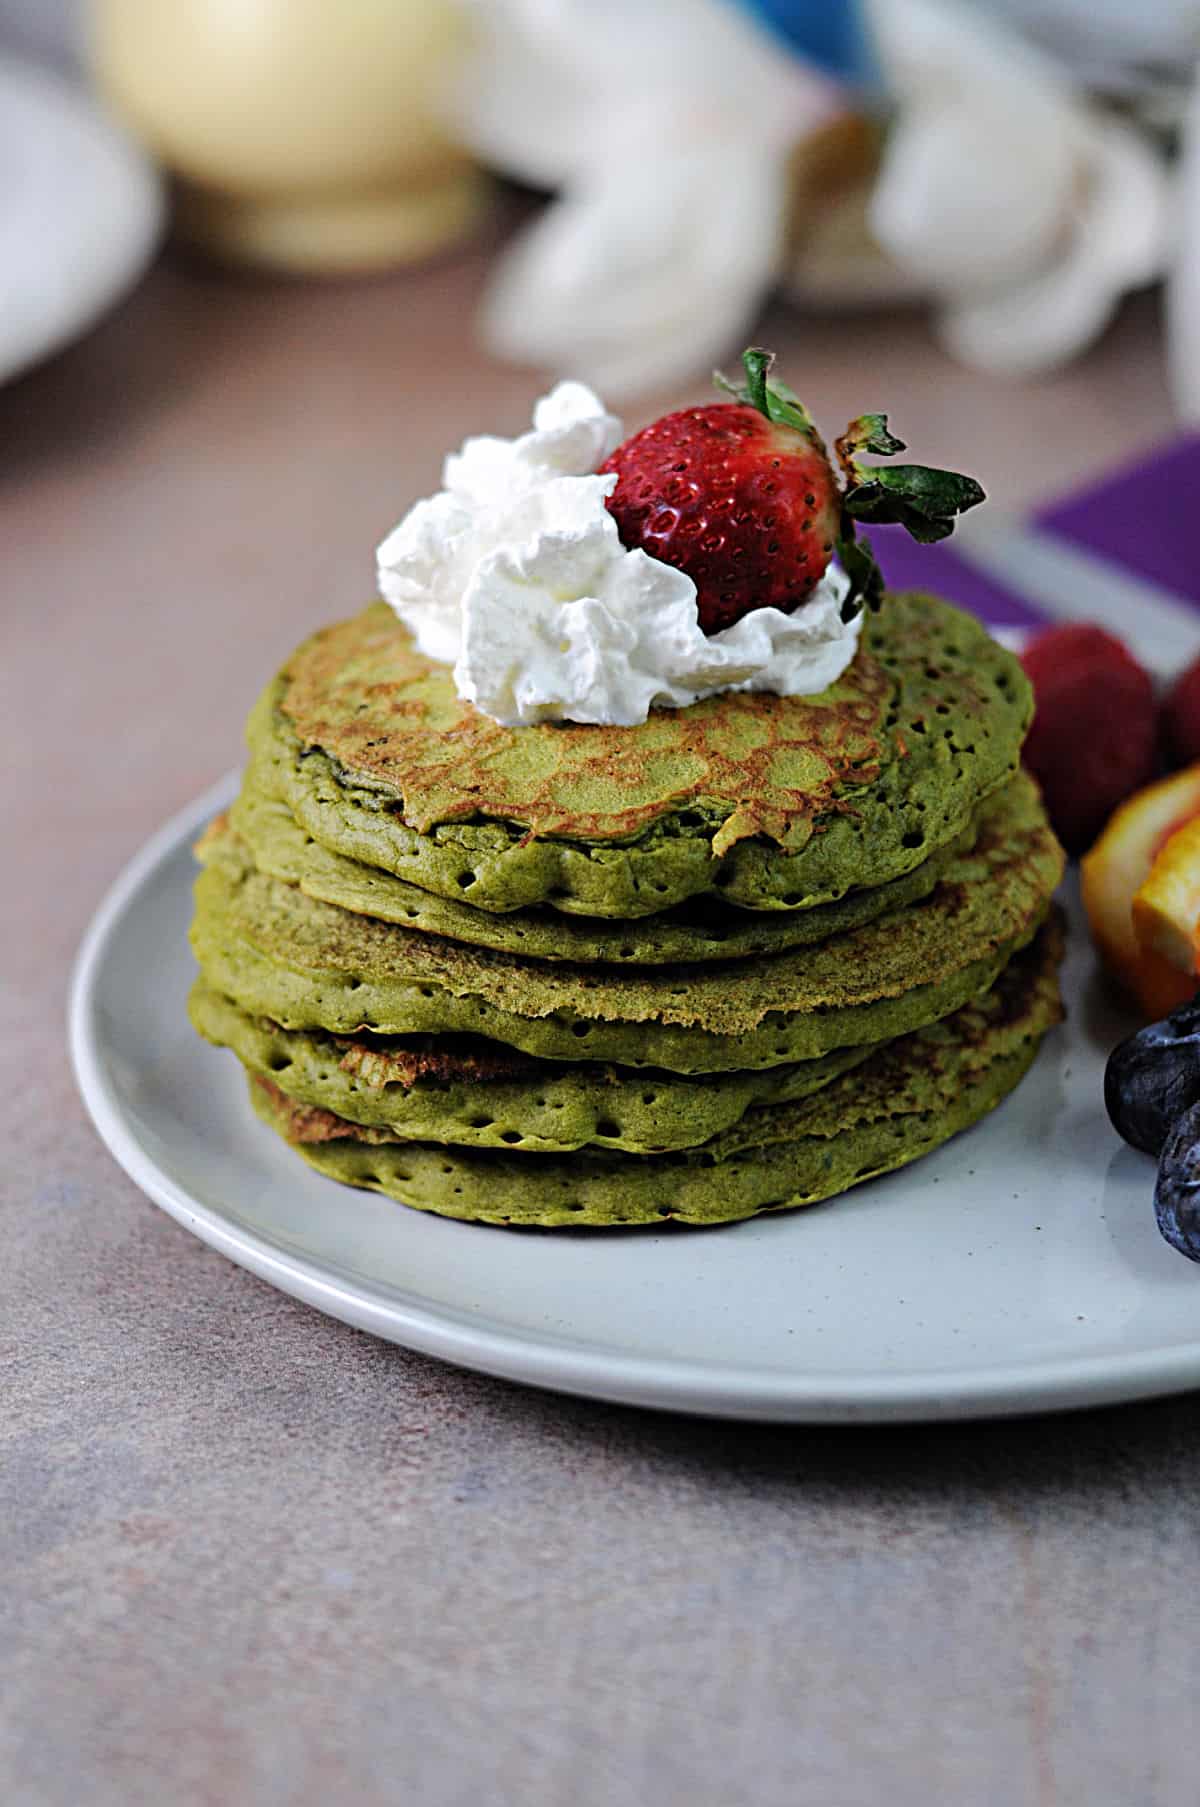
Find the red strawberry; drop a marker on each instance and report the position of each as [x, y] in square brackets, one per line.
[742, 496]
[1094, 732]
[1181, 716]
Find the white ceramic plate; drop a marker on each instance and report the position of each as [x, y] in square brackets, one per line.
[1018, 1268]
[80, 214]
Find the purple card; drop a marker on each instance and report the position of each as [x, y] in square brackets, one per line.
[1145, 517]
[909, 566]
[1141, 523]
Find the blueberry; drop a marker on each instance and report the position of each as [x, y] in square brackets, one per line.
[1153, 1077]
[1177, 1192]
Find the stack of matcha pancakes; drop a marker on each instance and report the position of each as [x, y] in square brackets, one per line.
[736, 959]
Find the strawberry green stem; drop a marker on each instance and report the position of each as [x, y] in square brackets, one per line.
[774, 399]
[756, 364]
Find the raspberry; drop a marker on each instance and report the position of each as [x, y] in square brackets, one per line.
[1094, 732]
[1181, 717]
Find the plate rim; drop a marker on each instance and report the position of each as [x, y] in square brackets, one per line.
[556, 1362]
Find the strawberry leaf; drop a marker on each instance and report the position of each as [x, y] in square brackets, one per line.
[916, 496]
[869, 433]
[866, 579]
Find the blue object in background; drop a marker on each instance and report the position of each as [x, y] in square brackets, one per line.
[833, 34]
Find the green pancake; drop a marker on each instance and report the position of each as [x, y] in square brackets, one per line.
[771, 802]
[897, 1105]
[309, 965]
[482, 1095]
[702, 929]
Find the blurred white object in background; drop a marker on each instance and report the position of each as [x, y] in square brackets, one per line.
[47, 32]
[1144, 53]
[670, 135]
[1183, 292]
[667, 130]
[80, 214]
[1028, 211]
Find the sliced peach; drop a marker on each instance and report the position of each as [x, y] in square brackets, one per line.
[1166, 906]
[1156, 986]
[1113, 874]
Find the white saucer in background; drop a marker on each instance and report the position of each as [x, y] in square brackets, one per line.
[81, 211]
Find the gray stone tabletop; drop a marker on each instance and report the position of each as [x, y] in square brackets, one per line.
[248, 1555]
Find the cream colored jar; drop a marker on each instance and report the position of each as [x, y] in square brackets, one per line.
[303, 133]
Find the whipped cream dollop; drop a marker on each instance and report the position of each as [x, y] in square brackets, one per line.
[514, 573]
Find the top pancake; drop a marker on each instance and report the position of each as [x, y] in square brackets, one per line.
[701, 929]
[770, 802]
